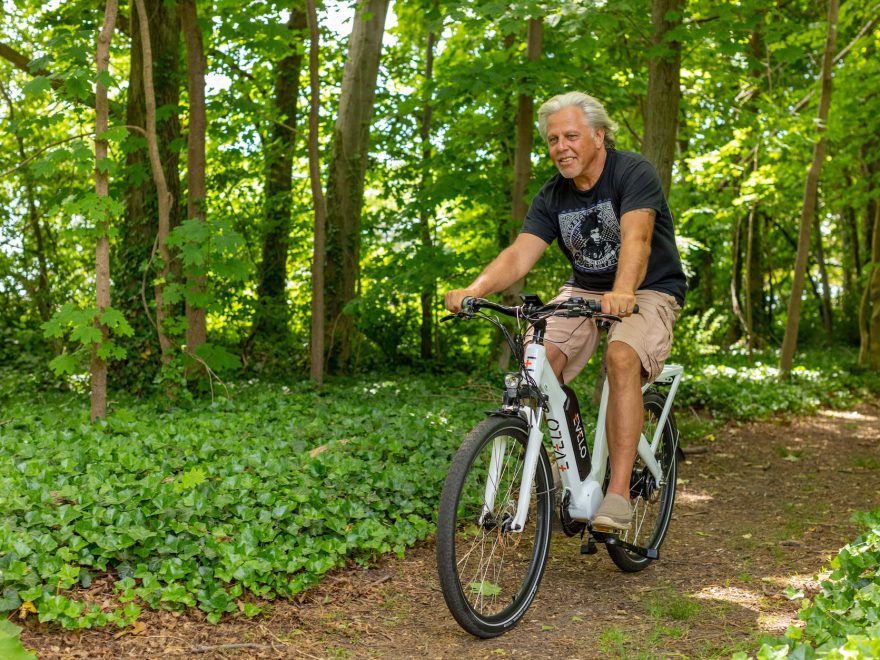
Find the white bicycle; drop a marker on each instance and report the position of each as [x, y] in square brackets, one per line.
[496, 510]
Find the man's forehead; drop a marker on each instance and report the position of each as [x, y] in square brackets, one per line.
[568, 116]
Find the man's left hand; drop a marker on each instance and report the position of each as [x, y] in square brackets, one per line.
[619, 303]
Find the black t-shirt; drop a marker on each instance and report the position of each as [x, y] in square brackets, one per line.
[587, 224]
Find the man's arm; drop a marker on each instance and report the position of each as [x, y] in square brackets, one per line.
[636, 229]
[512, 264]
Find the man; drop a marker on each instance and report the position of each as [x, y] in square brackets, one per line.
[607, 209]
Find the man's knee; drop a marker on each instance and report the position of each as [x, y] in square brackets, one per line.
[622, 360]
[557, 360]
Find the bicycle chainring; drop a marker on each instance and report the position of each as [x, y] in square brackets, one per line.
[569, 526]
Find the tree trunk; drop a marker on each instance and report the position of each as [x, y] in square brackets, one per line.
[163, 196]
[664, 92]
[196, 327]
[428, 288]
[345, 187]
[869, 311]
[98, 367]
[811, 189]
[736, 278]
[271, 319]
[316, 370]
[827, 320]
[753, 288]
[522, 167]
[139, 227]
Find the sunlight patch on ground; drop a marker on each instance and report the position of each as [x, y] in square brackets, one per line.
[774, 613]
[734, 595]
[774, 622]
[689, 497]
[847, 414]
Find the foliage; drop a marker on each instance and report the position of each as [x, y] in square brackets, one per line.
[249, 498]
[256, 495]
[10, 645]
[734, 385]
[843, 619]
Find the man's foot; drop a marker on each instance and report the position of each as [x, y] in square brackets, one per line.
[615, 514]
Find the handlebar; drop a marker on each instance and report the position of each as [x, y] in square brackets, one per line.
[573, 307]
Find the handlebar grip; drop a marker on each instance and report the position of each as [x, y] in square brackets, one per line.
[596, 306]
[467, 304]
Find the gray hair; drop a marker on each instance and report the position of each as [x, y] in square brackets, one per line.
[593, 111]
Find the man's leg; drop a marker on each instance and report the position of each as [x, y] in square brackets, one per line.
[557, 360]
[625, 417]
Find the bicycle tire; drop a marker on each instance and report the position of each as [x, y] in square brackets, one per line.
[652, 503]
[488, 575]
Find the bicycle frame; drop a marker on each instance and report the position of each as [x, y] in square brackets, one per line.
[586, 494]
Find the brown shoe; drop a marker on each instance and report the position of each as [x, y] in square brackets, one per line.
[614, 514]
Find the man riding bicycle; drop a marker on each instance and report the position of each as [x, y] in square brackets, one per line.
[613, 223]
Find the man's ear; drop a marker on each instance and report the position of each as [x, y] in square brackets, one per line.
[600, 135]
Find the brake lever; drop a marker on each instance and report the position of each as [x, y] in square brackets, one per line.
[458, 315]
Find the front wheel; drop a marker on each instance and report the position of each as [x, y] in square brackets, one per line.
[652, 502]
[490, 574]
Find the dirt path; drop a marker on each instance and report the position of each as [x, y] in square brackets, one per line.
[763, 509]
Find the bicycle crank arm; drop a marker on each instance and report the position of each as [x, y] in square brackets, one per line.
[613, 539]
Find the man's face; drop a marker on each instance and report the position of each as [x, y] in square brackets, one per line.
[573, 145]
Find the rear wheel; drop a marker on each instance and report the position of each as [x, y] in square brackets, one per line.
[490, 574]
[652, 501]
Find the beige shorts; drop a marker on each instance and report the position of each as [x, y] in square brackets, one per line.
[649, 332]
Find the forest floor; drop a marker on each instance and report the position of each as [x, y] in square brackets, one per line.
[763, 508]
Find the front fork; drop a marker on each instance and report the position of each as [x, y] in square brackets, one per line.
[530, 464]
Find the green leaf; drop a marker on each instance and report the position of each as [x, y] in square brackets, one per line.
[484, 588]
[10, 644]
[218, 358]
[37, 85]
[64, 364]
[190, 479]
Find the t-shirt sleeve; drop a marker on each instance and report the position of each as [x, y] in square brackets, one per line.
[641, 189]
[539, 221]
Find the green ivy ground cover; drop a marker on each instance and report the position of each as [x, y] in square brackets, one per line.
[211, 505]
[208, 506]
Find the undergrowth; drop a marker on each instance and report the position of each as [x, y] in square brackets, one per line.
[226, 505]
[257, 495]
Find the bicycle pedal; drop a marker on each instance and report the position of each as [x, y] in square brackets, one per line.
[608, 531]
[589, 548]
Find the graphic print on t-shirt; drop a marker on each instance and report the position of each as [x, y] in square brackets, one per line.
[592, 236]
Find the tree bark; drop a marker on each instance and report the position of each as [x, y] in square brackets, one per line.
[425, 225]
[139, 226]
[98, 367]
[664, 91]
[316, 370]
[753, 288]
[869, 310]
[164, 198]
[522, 167]
[736, 270]
[196, 326]
[345, 187]
[271, 317]
[827, 319]
[811, 189]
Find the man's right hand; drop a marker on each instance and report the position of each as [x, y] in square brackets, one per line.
[454, 298]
